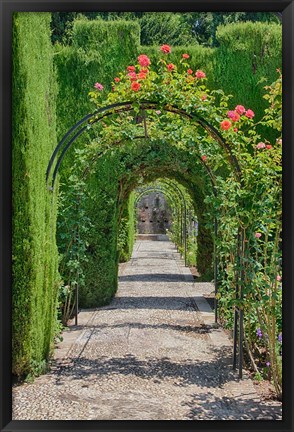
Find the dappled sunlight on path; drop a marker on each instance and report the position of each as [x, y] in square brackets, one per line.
[153, 353]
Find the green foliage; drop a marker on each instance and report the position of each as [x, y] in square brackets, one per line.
[246, 60]
[127, 230]
[245, 172]
[95, 55]
[174, 148]
[164, 27]
[34, 208]
[167, 27]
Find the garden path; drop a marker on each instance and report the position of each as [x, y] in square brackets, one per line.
[152, 354]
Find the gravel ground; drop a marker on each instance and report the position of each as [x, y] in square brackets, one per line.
[152, 354]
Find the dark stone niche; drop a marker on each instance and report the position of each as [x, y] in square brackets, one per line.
[153, 214]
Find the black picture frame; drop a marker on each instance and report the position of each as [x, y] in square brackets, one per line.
[284, 7]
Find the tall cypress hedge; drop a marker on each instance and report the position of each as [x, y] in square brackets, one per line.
[246, 60]
[99, 50]
[35, 257]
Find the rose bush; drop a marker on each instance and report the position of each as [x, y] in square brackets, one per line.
[246, 167]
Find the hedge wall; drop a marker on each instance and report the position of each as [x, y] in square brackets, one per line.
[35, 256]
[96, 54]
[126, 234]
[245, 61]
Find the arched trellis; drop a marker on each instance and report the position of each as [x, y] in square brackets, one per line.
[85, 124]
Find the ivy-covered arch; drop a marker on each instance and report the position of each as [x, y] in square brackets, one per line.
[174, 102]
[90, 119]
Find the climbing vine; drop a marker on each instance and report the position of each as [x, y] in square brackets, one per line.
[174, 102]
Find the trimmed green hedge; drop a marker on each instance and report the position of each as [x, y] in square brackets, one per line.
[127, 230]
[246, 61]
[35, 256]
[95, 55]
[247, 54]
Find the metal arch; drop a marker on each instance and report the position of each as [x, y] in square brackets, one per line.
[173, 185]
[150, 189]
[213, 183]
[127, 106]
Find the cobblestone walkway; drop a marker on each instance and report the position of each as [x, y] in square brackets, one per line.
[152, 354]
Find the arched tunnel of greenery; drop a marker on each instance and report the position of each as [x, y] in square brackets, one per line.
[91, 209]
[133, 163]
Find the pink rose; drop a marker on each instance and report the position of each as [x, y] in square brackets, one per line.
[143, 60]
[186, 56]
[132, 75]
[249, 113]
[98, 86]
[279, 278]
[166, 49]
[234, 116]
[257, 235]
[240, 109]
[260, 145]
[200, 74]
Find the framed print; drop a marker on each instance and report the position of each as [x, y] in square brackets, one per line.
[146, 203]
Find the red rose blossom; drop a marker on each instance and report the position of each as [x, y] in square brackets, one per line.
[186, 56]
[170, 66]
[141, 75]
[135, 86]
[249, 113]
[240, 109]
[189, 71]
[131, 68]
[268, 146]
[204, 158]
[200, 74]
[116, 79]
[234, 116]
[204, 97]
[143, 60]
[235, 129]
[226, 124]
[166, 49]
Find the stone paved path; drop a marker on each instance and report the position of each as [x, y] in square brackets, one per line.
[152, 354]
